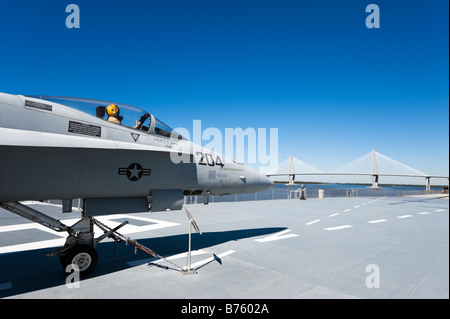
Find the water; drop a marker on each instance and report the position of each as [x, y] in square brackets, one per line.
[283, 191]
[357, 190]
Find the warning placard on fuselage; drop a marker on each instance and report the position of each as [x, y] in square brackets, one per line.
[84, 129]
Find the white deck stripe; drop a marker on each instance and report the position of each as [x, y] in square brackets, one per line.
[277, 236]
[338, 227]
[313, 222]
[33, 246]
[377, 221]
[208, 260]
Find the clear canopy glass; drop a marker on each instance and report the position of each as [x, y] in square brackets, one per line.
[131, 116]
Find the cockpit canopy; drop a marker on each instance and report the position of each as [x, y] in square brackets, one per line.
[131, 116]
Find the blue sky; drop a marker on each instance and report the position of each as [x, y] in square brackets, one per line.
[334, 88]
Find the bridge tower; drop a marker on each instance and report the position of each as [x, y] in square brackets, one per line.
[374, 171]
[291, 171]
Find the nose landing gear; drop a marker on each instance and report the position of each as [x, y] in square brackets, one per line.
[84, 256]
[79, 248]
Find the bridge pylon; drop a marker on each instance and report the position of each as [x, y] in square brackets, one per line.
[291, 171]
[374, 171]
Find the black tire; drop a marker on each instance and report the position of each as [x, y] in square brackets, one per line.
[84, 256]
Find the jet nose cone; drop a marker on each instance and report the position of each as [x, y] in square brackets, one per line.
[257, 182]
[265, 182]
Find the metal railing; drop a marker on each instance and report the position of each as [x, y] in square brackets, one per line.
[295, 193]
[292, 193]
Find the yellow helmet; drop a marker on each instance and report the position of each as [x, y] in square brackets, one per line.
[112, 110]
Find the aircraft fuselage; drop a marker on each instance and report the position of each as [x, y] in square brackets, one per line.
[52, 151]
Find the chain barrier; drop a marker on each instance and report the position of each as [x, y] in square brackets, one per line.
[118, 237]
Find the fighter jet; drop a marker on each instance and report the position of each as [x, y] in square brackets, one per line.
[117, 158]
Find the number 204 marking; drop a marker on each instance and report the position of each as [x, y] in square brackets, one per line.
[208, 159]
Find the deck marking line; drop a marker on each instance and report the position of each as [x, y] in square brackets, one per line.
[208, 260]
[157, 260]
[313, 222]
[404, 216]
[277, 236]
[33, 246]
[377, 221]
[338, 227]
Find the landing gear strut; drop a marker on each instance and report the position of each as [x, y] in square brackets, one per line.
[80, 245]
[79, 248]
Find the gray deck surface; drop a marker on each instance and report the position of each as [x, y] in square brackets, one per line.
[327, 248]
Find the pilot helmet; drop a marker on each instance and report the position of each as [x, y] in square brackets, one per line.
[112, 110]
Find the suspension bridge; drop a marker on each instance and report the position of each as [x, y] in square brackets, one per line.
[373, 164]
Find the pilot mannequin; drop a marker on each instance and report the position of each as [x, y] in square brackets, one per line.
[113, 114]
[142, 120]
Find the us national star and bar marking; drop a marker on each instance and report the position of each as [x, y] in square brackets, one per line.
[134, 172]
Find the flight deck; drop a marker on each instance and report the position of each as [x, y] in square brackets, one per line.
[362, 247]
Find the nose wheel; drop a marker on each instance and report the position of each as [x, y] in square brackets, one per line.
[83, 256]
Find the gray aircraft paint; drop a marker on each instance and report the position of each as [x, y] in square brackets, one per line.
[52, 151]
